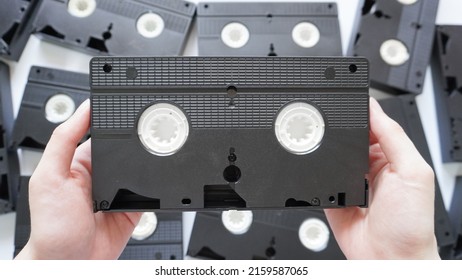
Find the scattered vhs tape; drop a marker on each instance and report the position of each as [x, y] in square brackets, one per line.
[158, 236]
[403, 110]
[194, 133]
[397, 38]
[51, 96]
[447, 80]
[107, 27]
[268, 29]
[14, 16]
[22, 229]
[241, 235]
[9, 164]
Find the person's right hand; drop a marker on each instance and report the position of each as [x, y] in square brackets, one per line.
[399, 223]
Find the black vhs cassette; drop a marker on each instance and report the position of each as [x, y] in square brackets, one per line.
[14, 16]
[158, 236]
[271, 234]
[397, 38]
[9, 165]
[51, 96]
[447, 80]
[229, 132]
[273, 29]
[403, 110]
[22, 228]
[107, 27]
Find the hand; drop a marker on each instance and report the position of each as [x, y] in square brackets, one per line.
[62, 219]
[399, 223]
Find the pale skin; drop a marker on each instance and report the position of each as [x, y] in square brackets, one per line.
[397, 225]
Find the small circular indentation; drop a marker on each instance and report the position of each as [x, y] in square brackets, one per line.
[145, 227]
[306, 34]
[163, 129]
[353, 68]
[418, 85]
[235, 35]
[59, 108]
[232, 157]
[232, 174]
[232, 91]
[237, 222]
[131, 73]
[329, 73]
[107, 68]
[314, 234]
[107, 35]
[206, 6]
[394, 52]
[81, 8]
[331, 199]
[186, 201]
[270, 252]
[150, 25]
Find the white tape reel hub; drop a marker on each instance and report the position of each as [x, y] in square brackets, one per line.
[235, 35]
[407, 2]
[150, 25]
[237, 222]
[299, 128]
[146, 226]
[163, 129]
[81, 8]
[394, 52]
[306, 35]
[59, 108]
[314, 234]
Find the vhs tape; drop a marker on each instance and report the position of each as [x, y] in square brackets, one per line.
[189, 133]
[107, 27]
[14, 17]
[403, 109]
[454, 251]
[9, 163]
[271, 234]
[158, 236]
[268, 29]
[51, 96]
[22, 228]
[397, 38]
[447, 81]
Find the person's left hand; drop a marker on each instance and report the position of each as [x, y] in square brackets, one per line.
[63, 225]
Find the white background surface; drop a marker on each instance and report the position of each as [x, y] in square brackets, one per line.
[49, 55]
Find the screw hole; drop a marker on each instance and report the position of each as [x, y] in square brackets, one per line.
[353, 68]
[206, 6]
[107, 68]
[418, 85]
[330, 6]
[186, 4]
[331, 199]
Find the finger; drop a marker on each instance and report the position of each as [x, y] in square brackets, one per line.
[82, 158]
[60, 150]
[395, 144]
